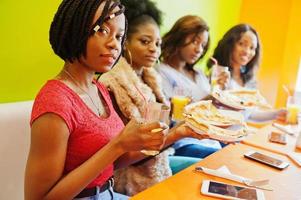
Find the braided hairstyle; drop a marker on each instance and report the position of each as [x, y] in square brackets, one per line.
[223, 51]
[139, 12]
[72, 26]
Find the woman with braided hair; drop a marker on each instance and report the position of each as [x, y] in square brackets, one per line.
[76, 136]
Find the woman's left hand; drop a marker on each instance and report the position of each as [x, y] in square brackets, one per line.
[182, 131]
[223, 80]
[281, 115]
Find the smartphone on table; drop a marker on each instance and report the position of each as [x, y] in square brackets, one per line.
[265, 159]
[228, 191]
[277, 137]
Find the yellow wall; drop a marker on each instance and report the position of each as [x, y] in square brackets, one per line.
[278, 25]
[292, 52]
[27, 60]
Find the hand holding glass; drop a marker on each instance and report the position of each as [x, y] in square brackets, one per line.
[155, 112]
[220, 77]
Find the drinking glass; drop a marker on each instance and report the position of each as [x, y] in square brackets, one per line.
[155, 112]
[293, 106]
[216, 74]
[179, 100]
[178, 104]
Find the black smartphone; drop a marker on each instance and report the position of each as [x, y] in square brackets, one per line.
[265, 159]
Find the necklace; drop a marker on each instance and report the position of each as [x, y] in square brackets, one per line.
[77, 85]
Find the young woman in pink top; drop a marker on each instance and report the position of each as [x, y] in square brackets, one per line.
[77, 139]
[76, 136]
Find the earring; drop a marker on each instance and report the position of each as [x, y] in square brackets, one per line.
[158, 62]
[128, 56]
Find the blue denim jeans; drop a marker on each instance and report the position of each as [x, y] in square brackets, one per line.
[195, 150]
[108, 194]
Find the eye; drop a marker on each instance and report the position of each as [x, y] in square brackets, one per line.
[119, 37]
[145, 42]
[104, 30]
[158, 44]
[195, 42]
[252, 48]
[204, 45]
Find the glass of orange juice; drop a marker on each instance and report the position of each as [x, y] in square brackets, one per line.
[293, 106]
[178, 104]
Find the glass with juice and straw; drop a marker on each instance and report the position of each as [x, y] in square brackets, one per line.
[154, 111]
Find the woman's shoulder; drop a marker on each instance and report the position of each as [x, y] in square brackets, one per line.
[54, 89]
[54, 97]
[121, 70]
[165, 68]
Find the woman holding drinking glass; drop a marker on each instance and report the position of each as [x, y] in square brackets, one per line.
[135, 84]
[240, 49]
[182, 47]
[77, 138]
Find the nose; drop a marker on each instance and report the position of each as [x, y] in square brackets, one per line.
[153, 47]
[113, 43]
[199, 49]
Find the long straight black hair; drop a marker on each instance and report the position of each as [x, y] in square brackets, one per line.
[225, 47]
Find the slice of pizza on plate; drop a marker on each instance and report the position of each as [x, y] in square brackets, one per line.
[204, 118]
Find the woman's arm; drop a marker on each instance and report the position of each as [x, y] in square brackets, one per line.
[44, 171]
[49, 140]
[178, 132]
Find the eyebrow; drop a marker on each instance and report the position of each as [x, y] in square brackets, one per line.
[107, 23]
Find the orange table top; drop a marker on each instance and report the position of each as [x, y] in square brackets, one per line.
[261, 140]
[187, 183]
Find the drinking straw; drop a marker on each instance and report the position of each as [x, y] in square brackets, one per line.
[214, 60]
[145, 113]
[287, 91]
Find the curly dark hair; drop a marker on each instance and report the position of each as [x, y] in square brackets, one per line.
[139, 12]
[224, 49]
[175, 38]
[72, 26]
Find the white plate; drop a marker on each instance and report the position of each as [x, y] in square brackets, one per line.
[227, 99]
[237, 116]
[219, 137]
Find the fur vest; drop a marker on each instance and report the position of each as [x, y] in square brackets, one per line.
[130, 93]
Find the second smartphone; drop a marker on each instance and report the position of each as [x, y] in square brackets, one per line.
[265, 159]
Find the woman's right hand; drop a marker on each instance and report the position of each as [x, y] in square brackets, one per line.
[223, 80]
[137, 136]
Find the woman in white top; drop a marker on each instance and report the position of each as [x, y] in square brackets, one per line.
[173, 80]
[239, 49]
[183, 46]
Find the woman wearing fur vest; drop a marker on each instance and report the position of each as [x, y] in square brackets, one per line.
[132, 82]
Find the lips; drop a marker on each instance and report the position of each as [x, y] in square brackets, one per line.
[109, 58]
[244, 58]
[195, 57]
[151, 58]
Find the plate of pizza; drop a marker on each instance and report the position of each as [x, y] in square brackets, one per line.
[233, 133]
[250, 98]
[205, 112]
[241, 99]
